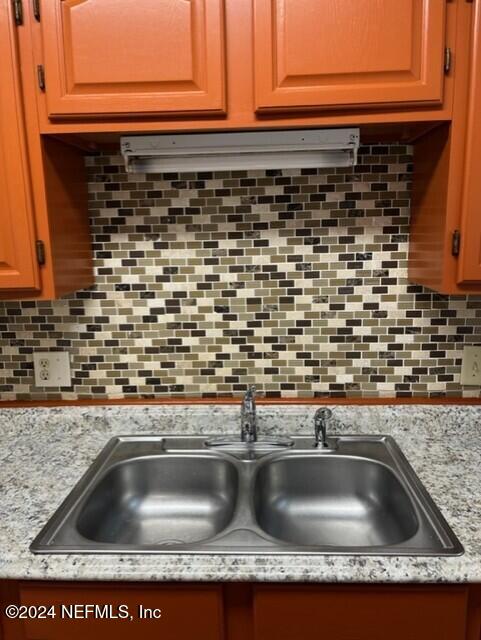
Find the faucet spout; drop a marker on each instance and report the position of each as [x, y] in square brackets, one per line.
[249, 416]
[321, 418]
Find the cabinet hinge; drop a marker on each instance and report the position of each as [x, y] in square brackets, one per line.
[18, 12]
[447, 59]
[41, 77]
[455, 243]
[36, 9]
[40, 250]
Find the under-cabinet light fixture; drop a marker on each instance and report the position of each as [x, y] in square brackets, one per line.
[302, 148]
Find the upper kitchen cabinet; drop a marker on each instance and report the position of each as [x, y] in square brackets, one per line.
[312, 54]
[18, 266]
[44, 238]
[162, 65]
[133, 57]
[445, 238]
[469, 269]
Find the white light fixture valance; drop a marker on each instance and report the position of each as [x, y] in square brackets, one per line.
[302, 148]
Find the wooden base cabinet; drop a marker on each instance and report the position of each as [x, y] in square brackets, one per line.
[474, 613]
[104, 611]
[360, 613]
[240, 611]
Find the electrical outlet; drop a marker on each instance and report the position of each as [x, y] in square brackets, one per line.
[52, 369]
[471, 369]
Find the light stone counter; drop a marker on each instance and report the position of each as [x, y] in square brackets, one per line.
[43, 452]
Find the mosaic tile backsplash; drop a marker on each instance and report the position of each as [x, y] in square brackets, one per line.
[294, 280]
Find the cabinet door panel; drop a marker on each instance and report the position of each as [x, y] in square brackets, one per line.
[133, 56]
[18, 269]
[327, 53]
[363, 613]
[186, 612]
[470, 258]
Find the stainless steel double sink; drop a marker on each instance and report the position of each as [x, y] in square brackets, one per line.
[176, 495]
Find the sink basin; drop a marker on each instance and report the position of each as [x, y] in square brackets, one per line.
[148, 494]
[160, 500]
[337, 501]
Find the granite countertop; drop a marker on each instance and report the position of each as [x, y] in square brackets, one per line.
[43, 452]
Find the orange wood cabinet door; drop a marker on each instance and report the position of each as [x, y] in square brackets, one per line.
[124, 57]
[360, 613]
[469, 269]
[312, 54]
[18, 267]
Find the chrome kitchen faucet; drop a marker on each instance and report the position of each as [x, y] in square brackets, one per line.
[249, 416]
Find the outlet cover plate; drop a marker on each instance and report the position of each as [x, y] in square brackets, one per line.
[471, 369]
[52, 369]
